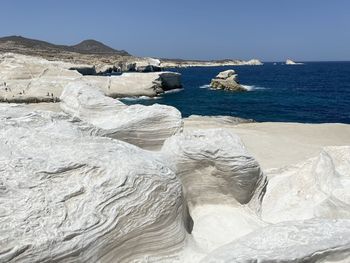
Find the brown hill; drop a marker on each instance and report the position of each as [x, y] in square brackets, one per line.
[16, 43]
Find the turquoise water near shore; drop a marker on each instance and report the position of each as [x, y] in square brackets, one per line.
[316, 92]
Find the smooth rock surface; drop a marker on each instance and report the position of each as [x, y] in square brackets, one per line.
[268, 141]
[317, 188]
[68, 197]
[214, 121]
[293, 241]
[144, 126]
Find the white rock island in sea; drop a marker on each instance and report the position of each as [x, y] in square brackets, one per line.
[100, 181]
[291, 62]
[227, 80]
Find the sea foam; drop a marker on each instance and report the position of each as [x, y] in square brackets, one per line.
[247, 87]
[173, 91]
[252, 87]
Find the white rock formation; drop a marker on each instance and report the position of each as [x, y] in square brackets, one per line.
[144, 126]
[31, 79]
[317, 188]
[213, 63]
[291, 62]
[66, 197]
[147, 65]
[69, 195]
[254, 62]
[293, 241]
[219, 177]
[226, 74]
[227, 80]
[219, 160]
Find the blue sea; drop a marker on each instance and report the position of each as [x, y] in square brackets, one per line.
[316, 92]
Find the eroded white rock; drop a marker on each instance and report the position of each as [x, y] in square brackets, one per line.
[144, 126]
[317, 188]
[32, 79]
[219, 160]
[68, 197]
[219, 178]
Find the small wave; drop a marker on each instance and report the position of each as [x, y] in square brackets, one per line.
[139, 98]
[173, 91]
[252, 87]
[205, 86]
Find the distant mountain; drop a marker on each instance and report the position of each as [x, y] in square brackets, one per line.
[85, 47]
[94, 47]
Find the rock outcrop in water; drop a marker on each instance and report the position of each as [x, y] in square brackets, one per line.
[291, 62]
[32, 79]
[227, 80]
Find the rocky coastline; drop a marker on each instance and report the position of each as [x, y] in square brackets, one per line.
[27, 79]
[178, 63]
[90, 179]
[101, 59]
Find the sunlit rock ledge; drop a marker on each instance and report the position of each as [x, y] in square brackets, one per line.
[26, 79]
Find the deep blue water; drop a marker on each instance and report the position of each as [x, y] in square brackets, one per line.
[315, 92]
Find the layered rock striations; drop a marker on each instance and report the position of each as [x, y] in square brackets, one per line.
[69, 197]
[69, 194]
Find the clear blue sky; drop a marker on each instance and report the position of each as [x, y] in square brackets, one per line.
[266, 29]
